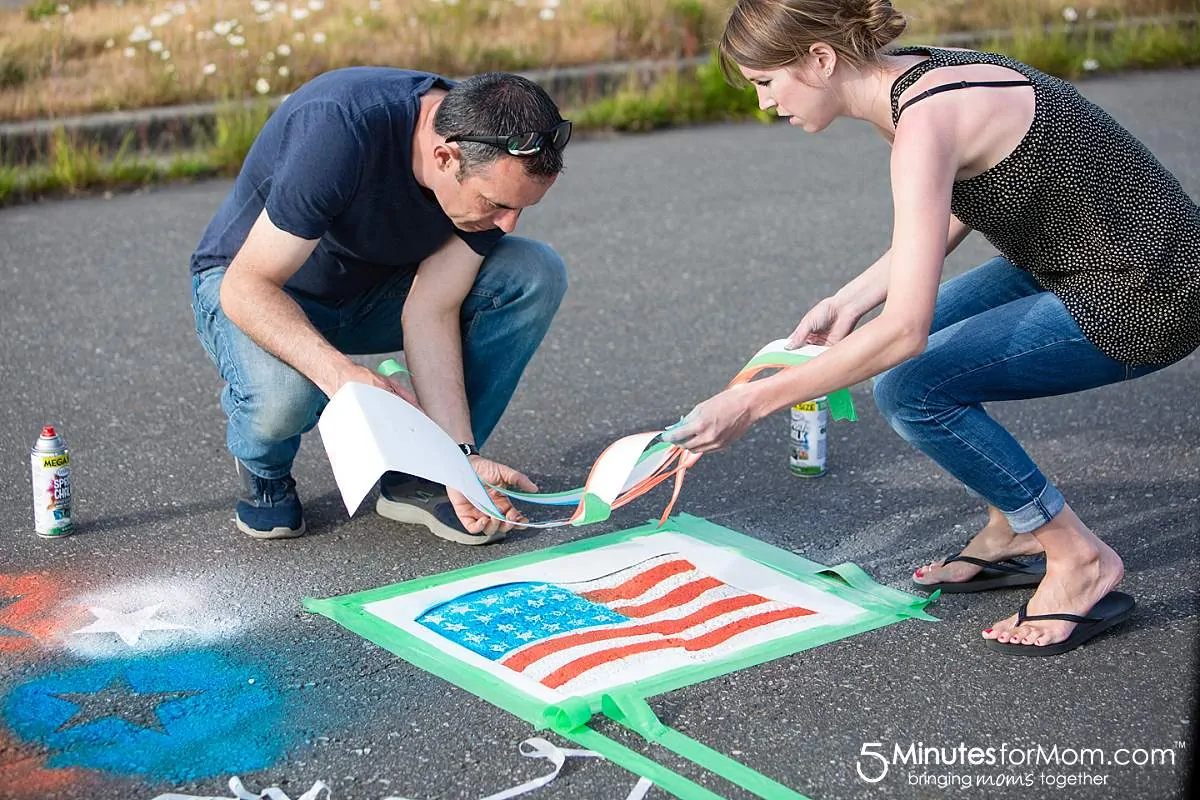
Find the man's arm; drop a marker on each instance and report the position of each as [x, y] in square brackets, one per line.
[433, 349]
[252, 297]
[433, 334]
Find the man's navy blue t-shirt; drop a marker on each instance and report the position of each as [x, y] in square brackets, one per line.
[334, 163]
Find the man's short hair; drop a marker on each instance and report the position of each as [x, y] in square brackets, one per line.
[499, 104]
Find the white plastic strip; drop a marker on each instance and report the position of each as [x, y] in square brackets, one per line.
[368, 431]
[535, 747]
[241, 793]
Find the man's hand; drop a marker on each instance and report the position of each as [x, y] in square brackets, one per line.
[357, 373]
[497, 474]
[827, 323]
[716, 422]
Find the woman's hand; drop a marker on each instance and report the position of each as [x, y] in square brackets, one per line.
[827, 323]
[716, 422]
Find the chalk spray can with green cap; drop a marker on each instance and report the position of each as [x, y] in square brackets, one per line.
[807, 443]
[51, 466]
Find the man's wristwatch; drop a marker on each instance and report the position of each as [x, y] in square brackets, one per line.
[468, 449]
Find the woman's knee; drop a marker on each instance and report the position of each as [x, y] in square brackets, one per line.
[898, 396]
[887, 389]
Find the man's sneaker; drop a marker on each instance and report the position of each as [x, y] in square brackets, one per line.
[270, 508]
[407, 498]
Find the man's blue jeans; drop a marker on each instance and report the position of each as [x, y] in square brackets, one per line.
[996, 335]
[269, 404]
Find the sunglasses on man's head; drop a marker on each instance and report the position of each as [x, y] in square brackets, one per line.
[524, 144]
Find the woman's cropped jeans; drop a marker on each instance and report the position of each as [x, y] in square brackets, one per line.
[996, 335]
[504, 317]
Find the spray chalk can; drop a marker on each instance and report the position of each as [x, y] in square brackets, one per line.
[806, 438]
[51, 465]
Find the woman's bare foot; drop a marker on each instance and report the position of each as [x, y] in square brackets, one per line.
[1080, 570]
[995, 542]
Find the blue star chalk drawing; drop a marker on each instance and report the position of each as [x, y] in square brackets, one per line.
[177, 718]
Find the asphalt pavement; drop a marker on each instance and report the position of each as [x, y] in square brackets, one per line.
[687, 251]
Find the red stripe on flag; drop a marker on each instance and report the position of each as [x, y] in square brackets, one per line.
[575, 668]
[638, 584]
[672, 599]
[523, 658]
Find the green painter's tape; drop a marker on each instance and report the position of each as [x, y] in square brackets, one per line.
[625, 704]
[633, 712]
[570, 495]
[569, 715]
[841, 405]
[733, 771]
[594, 510]
[671, 782]
[391, 367]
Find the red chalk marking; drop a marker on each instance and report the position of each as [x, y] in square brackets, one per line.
[24, 775]
[26, 602]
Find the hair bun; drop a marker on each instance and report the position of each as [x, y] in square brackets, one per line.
[883, 24]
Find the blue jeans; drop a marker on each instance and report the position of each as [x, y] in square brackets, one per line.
[269, 404]
[996, 335]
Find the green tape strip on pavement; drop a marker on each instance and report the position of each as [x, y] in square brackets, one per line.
[634, 713]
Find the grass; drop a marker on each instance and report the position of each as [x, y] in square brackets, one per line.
[103, 55]
[72, 166]
[1069, 55]
[678, 99]
[236, 128]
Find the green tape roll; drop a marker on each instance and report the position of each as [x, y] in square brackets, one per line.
[392, 367]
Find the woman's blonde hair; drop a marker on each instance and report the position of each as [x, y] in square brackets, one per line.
[772, 34]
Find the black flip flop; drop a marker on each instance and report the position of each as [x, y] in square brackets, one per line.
[1113, 609]
[1005, 574]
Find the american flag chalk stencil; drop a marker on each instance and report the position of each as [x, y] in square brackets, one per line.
[589, 621]
[560, 633]
[597, 627]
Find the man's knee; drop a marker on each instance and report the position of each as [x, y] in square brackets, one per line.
[543, 272]
[279, 409]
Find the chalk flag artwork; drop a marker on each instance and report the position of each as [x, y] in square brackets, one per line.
[592, 627]
[576, 635]
[610, 612]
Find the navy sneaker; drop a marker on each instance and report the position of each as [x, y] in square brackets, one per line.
[407, 498]
[270, 508]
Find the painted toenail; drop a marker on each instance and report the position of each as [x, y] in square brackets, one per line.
[987, 630]
[920, 573]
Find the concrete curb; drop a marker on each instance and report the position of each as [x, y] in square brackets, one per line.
[173, 128]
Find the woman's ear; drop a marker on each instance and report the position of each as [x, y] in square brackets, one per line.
[824, 60]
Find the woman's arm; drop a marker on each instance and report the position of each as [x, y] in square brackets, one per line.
[832, 319]
[924, 164]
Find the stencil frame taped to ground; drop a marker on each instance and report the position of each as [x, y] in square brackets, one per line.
[800, 603]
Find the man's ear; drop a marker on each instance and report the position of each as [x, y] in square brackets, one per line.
[446, 157]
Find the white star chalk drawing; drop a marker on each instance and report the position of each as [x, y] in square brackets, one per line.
[129, 626]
